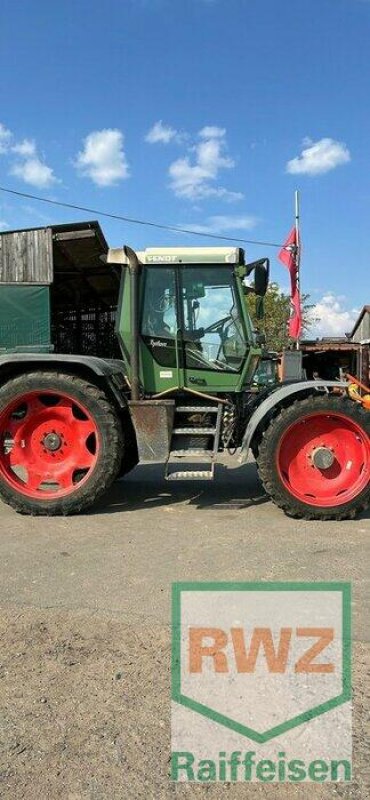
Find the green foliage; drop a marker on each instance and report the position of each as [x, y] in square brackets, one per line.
[277, 314]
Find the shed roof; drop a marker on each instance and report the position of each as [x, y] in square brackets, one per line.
[326, 345]
[365, 310]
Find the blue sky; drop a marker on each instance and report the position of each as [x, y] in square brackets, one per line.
[203, 113]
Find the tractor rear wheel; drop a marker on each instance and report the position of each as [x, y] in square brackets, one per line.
[314, 458]
[61, 443]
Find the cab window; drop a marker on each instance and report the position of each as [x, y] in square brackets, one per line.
[158, 315]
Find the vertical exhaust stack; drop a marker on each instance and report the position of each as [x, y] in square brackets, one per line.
[134, 267]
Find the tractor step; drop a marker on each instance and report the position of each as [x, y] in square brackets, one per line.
[196, 409]
[193, 451]
[189, 450]
[191, 475]
[192, 431]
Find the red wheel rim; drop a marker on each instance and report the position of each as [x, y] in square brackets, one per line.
[349, 447]
[49, 444]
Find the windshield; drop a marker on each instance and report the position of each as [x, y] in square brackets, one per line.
[212, 328]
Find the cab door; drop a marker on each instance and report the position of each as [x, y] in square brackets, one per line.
[214, 339]
[159, 330]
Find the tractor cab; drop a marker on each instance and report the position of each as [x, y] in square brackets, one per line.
[192, 325]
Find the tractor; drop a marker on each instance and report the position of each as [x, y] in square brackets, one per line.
[182, 392]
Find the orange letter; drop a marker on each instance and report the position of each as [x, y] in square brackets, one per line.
[325, 636]
[197, 651]
[246, 662]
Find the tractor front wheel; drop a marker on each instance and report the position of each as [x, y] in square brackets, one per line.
[314, 458]
[61, 443]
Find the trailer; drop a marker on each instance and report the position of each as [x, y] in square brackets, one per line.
[57, 294]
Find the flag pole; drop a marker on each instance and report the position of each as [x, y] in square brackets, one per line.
[298, 241]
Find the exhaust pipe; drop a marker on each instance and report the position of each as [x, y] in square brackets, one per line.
[134, 267]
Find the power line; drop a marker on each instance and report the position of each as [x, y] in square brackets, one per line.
[133, 221]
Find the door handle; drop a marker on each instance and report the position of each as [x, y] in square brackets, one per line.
[198, 381]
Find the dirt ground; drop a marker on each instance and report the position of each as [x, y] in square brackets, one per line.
[85, 630]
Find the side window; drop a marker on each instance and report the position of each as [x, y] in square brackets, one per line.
[158, 317]
[159, 306]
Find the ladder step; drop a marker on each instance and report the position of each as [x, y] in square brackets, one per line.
[191, 452]
[200, 431]
[198, 409]
[203, 469]
[190, 475]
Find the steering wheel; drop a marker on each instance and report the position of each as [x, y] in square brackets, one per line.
[219, 327]
[216, 325]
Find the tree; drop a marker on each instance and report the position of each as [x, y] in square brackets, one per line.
[277, 313]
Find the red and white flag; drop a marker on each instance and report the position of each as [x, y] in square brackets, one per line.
[289, 256]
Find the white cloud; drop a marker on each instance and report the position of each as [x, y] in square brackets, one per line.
[5, 138]
[194, 175]
[3, 225]
[25, 148]
[224, 223]
[319, 157]
[35, 172]
[30, 168]
[333, 318]
[103, 157]
[212, 132]
[161, 133]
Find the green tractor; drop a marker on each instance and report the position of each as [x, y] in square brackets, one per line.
[181, 394]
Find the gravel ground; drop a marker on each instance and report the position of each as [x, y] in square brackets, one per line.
[85, 635]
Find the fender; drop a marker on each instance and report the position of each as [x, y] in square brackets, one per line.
[276, 398]
[110, 371]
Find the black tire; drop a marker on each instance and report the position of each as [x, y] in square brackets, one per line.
[129, 462]
[109, 433]
[130, 456]
[269, 449]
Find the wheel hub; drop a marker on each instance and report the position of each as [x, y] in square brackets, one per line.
[52, 442]
[322, 457]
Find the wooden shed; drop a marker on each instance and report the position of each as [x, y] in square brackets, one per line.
[332, 358]
[56, 291]
[361, 328]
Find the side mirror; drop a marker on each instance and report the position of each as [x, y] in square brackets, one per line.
[261, 270]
